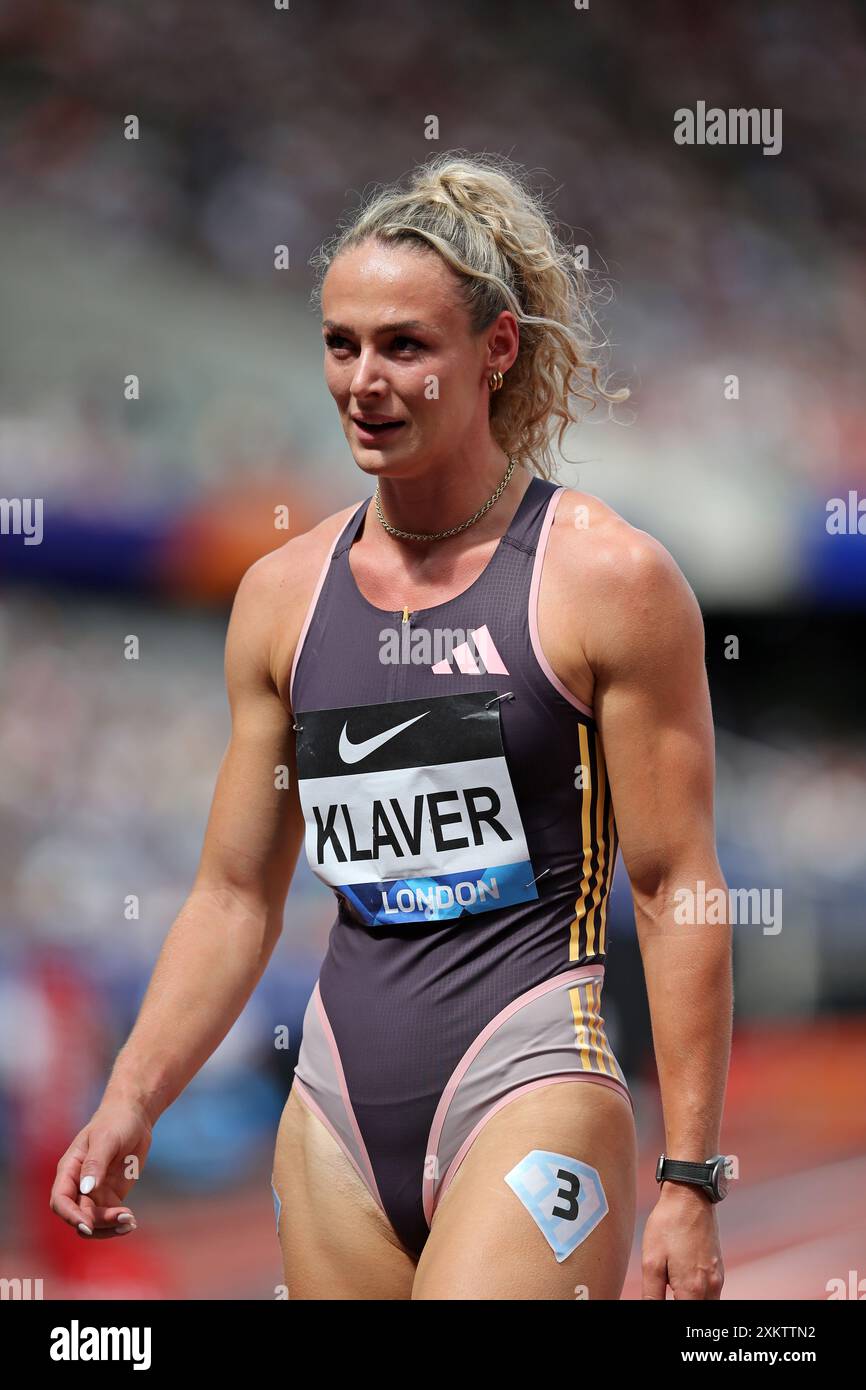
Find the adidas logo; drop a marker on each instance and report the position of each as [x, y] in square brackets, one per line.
[479, 659]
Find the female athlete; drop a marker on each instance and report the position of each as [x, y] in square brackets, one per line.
[481, 684]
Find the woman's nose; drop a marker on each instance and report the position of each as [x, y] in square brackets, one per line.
[368, 372]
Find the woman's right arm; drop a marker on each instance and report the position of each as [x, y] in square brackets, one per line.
[220, 943]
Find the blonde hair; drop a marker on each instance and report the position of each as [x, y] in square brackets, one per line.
[481, 217]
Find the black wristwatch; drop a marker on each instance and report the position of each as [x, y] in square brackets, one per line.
[710, 1175]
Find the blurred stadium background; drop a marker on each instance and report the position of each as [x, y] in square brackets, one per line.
[155, 256]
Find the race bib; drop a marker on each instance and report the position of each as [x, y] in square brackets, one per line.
[409, 808]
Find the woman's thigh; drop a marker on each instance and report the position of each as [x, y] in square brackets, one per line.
[335, 1240]
[485, 1242]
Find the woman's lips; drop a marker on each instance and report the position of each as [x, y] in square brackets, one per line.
[371, 432]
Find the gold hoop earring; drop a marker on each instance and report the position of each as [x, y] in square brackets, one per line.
[495, 381]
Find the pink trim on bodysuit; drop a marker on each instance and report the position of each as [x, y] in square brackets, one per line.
[534, 590]
[344, 1092]
[298, 1085]
[506, 1100]
[312, 608]
[567, 978]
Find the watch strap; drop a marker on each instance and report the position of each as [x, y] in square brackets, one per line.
[677, 1169]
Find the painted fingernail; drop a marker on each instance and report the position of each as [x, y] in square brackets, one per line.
[125, 1229]
[85, 1230]
[86, 1185]
[125, 1216]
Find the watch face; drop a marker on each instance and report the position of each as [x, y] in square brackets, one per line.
[720, 1180]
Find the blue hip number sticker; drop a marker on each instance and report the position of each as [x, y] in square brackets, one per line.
[563, 1196]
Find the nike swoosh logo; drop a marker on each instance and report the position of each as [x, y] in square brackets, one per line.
[353, 752]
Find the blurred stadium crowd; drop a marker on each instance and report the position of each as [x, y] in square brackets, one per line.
[257, 125]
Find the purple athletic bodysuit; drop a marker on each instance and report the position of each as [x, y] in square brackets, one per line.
[456, 802]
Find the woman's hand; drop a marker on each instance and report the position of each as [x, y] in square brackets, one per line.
[99, 1168]
[681, 1245]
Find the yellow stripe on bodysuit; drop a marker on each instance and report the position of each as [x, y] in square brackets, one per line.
[574, 949]
[590, 1037]
[598, 836]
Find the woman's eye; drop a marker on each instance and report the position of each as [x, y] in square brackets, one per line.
[336, 343]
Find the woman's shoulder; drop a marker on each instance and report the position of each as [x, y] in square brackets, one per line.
[590, 534]
[287, 575]
[289, 567]
[275, 593]
[622, 575]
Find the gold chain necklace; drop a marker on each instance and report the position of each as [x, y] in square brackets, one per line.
[453, 530]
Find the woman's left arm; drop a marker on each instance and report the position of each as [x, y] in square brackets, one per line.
[645, 644]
